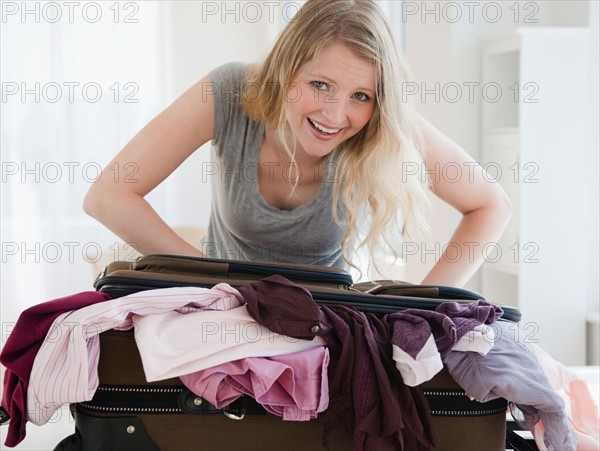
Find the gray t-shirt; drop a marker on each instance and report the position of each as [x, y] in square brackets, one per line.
[243, 226]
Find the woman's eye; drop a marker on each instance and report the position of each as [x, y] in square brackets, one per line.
[320, 85]
[362, 97]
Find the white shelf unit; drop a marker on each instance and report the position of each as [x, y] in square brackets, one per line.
[533, 143]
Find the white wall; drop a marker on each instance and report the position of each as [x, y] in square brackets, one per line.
[202, 36]
[441, 48]
[443, 45]
[593, 201]
[44, 230]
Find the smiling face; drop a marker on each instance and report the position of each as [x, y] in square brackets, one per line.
[330, 99]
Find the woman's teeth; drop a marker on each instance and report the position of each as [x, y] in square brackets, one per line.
[323, 129]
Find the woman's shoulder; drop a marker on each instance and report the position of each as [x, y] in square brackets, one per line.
[228, 88]
[230, 72]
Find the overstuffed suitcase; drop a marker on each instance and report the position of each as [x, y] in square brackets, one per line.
[129, 413]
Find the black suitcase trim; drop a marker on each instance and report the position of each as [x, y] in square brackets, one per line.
[117, 286]
[456, 403]
[178, 399]
[157, 264]
[307, 273]
[164, 400]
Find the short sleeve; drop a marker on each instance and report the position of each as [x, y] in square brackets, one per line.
[226, 86]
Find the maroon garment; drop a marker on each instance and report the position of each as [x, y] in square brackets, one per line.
[284, 307]
[366, 390]
[20, 351]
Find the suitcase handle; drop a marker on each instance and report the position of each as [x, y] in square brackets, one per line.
[400, 288]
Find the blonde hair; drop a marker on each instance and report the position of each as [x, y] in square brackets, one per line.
[371, 175]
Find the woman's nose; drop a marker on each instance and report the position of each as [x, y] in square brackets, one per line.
[334, 111]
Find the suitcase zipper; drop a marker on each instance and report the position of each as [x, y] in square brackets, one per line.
[378, 304]
[456, 403]
[125, 399]
[162, 400]
[381, 304]
[107, 399]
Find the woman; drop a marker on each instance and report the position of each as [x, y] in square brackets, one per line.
[313, 147]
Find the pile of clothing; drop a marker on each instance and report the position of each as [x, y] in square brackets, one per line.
[271, 341]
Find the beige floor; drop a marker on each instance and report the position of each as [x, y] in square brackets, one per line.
[41, 438]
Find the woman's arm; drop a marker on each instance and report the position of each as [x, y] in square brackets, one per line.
[485, 207]
[155, 152]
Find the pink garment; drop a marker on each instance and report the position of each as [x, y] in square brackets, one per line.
[293, 386]
[173, 344]
[580, 406]
[65, 367]
[20, 351]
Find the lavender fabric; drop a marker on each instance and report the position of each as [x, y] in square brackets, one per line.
[511, 371]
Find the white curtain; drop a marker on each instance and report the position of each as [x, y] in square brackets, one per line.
[78, 81]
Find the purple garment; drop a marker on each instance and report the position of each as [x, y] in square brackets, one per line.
[366, 391]
[468, 316]
[412, 328]
[293, 386]
[511, 371]
[448, 323]
[21, 348]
